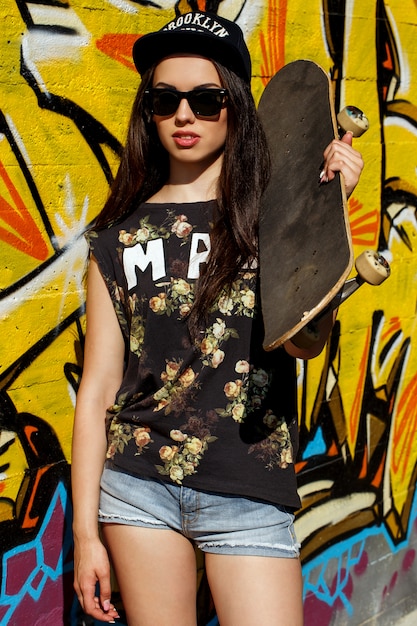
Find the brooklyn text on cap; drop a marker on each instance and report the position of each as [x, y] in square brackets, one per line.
[206, 34]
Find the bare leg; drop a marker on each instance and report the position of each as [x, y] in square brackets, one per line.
[156, 573]
[250, 590]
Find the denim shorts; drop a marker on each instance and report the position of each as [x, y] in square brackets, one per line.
[216, 523]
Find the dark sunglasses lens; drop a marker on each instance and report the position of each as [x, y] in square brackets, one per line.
[164, 102]
[206, 103]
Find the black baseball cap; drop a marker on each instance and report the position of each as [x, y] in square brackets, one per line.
[205, 34]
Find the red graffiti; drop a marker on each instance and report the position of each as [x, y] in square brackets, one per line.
[22, 232]
[118, 47]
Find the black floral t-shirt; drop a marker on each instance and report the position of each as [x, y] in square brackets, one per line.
[219, 416]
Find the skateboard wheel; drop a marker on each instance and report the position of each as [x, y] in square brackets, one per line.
[372, 267]
[354, 120]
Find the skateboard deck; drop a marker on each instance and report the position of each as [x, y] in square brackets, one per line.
[305, 246]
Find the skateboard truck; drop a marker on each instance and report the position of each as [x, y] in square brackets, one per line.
[372, 268]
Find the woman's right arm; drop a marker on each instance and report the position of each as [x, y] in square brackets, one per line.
[101, 379]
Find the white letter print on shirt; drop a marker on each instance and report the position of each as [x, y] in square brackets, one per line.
[197, 258]
[136, 258]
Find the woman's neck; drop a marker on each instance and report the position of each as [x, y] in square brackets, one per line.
[189, 183]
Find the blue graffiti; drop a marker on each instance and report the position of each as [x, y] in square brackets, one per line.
[42, 572]
[316, 446]
[327, 576]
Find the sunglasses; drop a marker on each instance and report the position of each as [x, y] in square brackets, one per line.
[204, 102]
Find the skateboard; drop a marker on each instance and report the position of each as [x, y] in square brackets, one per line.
[305, 246]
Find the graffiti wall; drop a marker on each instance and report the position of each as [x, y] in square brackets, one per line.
[66, 86]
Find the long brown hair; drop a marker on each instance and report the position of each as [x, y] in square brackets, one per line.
[144, 168]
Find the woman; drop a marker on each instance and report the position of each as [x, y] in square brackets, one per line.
[200, 439]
